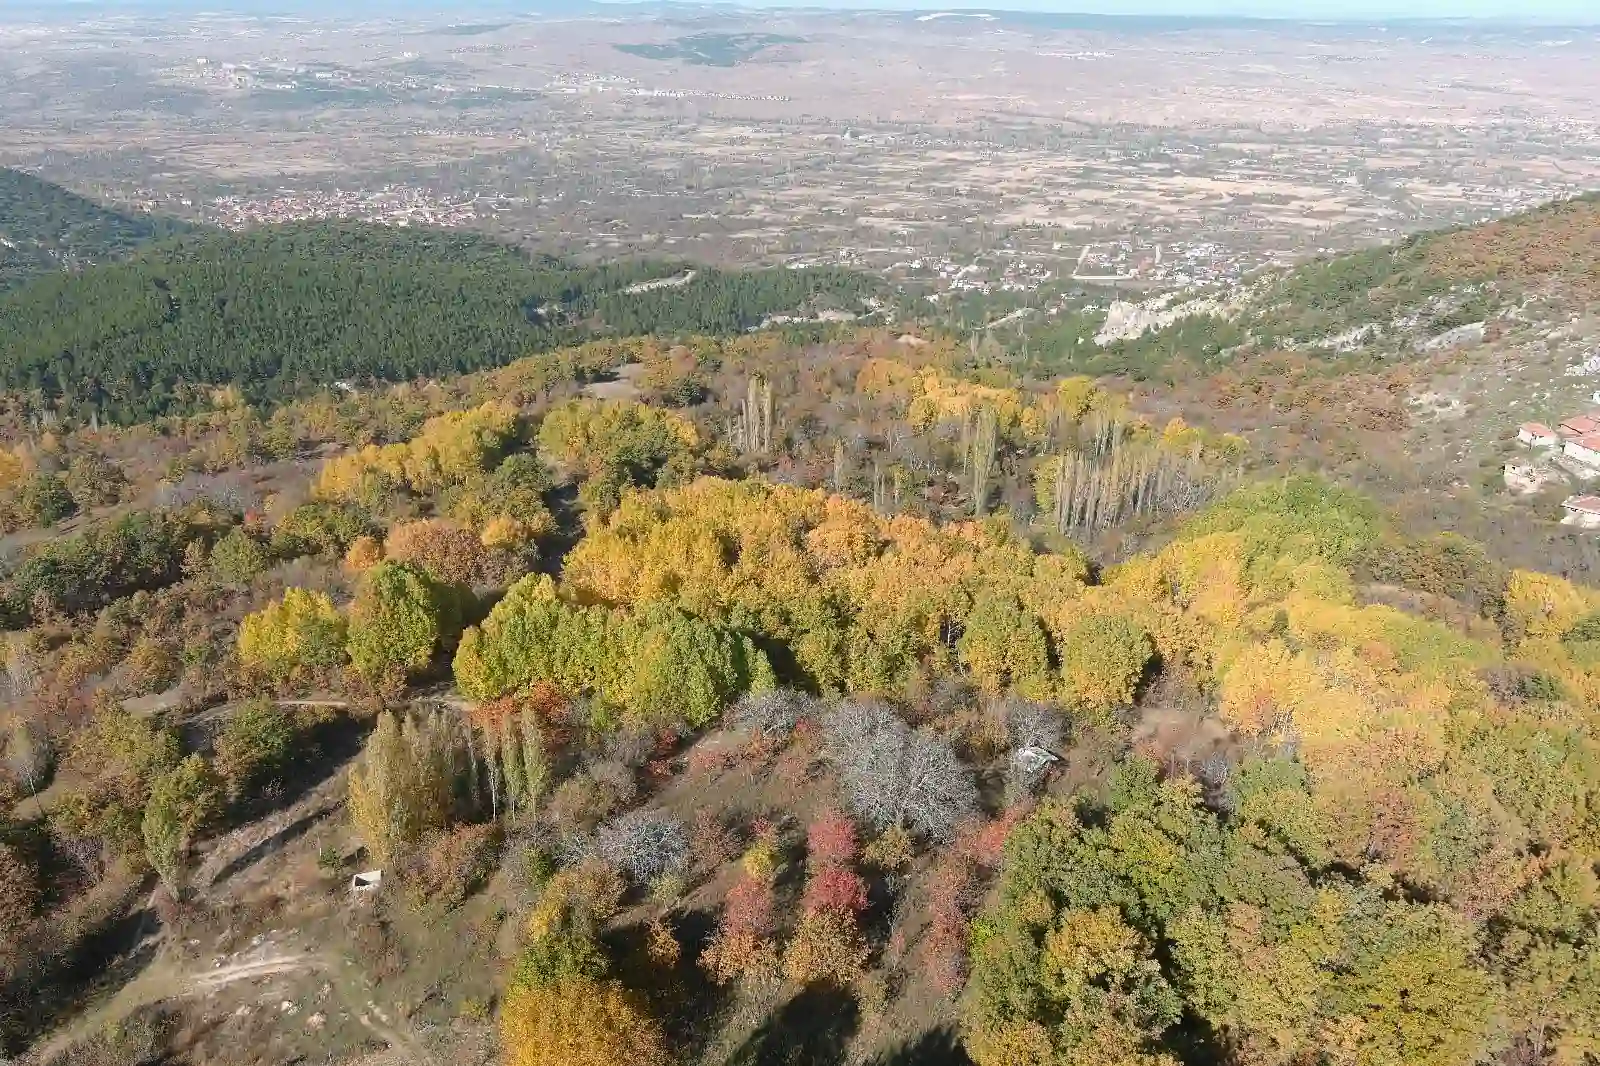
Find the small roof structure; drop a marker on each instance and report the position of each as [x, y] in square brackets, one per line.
[1536, 429]
[1582, 504]
[1031, 758]
[1591, 441]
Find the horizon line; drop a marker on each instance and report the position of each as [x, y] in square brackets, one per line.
[533, 7]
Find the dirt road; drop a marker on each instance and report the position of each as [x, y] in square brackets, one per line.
[164, 982]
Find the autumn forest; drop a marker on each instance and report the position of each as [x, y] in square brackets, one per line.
[708, 694]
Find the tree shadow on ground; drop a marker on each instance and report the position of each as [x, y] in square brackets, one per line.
[936, 1047]
[812, 1029]
[50, 985]
[321, 752]
[687, 1002]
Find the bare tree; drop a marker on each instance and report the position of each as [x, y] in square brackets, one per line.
[896, 776]
[231, 493]
[644, 844]
[615, 776]
[773, 714]
[1034, 734]
[631, 745]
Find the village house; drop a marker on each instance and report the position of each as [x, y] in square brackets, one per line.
[1582, 511]
[1537, 435]
[1579, 426]
[1584, 449]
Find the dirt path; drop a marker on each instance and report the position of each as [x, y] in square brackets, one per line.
[163, 982]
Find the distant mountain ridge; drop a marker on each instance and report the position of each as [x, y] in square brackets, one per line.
[45, 228]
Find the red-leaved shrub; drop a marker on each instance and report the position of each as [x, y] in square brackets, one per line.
[831, 840]
[742, 943]
[835, 888]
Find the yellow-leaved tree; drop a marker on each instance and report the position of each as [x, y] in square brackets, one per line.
[1103, 656]
[300, 634]
[579, 1022]
[399, 788]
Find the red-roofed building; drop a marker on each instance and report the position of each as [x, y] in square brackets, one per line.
[1579, 426]
[1537, 435]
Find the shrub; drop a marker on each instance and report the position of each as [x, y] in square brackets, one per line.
[1004, 645]
[891, 852]
[742, 942]
[835, 888]
[1103, 657]
[712, 841]
[510, 500]
[683, 669]
[44, 501]
[144, 550]
[581, 803]
[365, 553]
[399, 618]
[612, 445]
[579, 1022]
[454, 865]
[565, 953]
[151, 666]
[92, 827]
[319, 529]
[831, 839]
[446, 551]
[92, 481]
[827, 946]
[761, 860]
[238, 557]
[125, 752]
[255, 745]
[165, 845]
[21, 896]
[580, 897]
[183, 802]
[29, 756]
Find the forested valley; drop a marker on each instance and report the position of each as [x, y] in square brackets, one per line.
[45, 229]
[284, 310]
[505, 671]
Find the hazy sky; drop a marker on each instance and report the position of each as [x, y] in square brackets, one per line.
[1570, 11]
[1586, 11]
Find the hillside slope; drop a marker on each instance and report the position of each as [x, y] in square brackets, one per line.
[281, 308]
[1392, 302]
[717, 741]
[44, 228]
[1429, 284]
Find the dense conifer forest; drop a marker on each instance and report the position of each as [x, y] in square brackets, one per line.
[282, 309]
